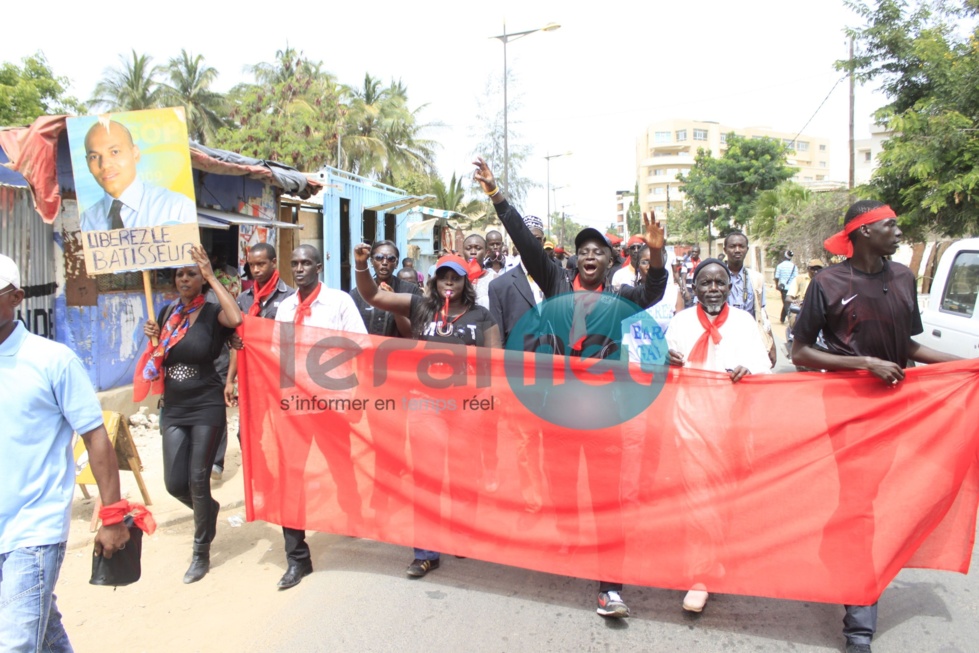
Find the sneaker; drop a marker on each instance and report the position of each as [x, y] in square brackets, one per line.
[419, 568]
[695, 600]
[610, 604]
[216, 473]
[852, 647]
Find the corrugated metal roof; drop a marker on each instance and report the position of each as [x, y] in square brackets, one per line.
[223, 220]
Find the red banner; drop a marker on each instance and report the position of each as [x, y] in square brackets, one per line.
[816, 487]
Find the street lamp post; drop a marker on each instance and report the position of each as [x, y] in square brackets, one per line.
[506, 38]
[548, 159]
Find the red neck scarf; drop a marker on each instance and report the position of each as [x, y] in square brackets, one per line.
[262, 292]
[576, 285]
[475, 270]
[712, 332]
[151, 362]
[305, 307]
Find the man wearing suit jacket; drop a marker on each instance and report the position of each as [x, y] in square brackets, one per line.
[511, 295]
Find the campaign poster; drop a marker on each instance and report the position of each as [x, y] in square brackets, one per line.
[135, 190]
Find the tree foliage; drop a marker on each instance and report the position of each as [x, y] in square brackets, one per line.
[189, 86]
[721, 191]
[925, 55]
[633, 216]
[776, 207]
[382, 134]
[490, 134]
[452, 197]
[31, 90]
[813, 218]
[291, 114]
[131, 87]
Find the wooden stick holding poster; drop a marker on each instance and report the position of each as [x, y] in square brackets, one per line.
[148, 291]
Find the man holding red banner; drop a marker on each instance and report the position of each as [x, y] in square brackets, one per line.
[710, 336]
[313, 304]
[867, 311]
[580, 332]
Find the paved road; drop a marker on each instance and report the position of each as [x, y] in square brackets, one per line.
[358, 599]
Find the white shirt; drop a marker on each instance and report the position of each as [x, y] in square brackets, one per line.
[332, 309]
[624, 276]
[644, 334]
[740, 343]
[482, 287]
[143, 205]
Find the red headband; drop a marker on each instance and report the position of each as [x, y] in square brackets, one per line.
[839, 243]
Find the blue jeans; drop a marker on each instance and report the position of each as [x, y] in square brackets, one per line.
[29, 617]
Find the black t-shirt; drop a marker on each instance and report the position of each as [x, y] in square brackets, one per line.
[861, 314]
[469, 329]
[377, 321]
[200, 346]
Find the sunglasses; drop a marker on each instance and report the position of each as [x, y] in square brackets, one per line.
[8, 291]
[381, 258]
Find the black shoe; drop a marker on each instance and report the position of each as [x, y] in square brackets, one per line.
[199, 566]
[419, 568]
[294, 573]
[852, 647]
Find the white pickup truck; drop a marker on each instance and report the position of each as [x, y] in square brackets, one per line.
[949, 314]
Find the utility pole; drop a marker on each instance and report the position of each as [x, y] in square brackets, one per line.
[853, 152]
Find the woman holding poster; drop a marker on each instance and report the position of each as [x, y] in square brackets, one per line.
[192, 335]
[448, 313]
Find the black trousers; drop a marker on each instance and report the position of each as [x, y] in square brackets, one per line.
[188, 453]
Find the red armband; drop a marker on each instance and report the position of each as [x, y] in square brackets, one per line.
[115, 513]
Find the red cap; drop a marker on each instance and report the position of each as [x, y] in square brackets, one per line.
[455, 262]
[559, 250]
[613, 240]
[635, 240]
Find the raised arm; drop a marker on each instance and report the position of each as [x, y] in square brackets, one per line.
[230, 315]
[398, 303]
[654, 286]
[532, 254]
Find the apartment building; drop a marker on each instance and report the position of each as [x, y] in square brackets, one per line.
[668, 148]
[866, 151]
[623, 200]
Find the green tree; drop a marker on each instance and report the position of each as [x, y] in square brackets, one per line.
[452, 197]
[633, 216]
[381, 136]
[925, 55]
[777, 206]
[131, 87]
[811, 221]
[489, 133]
[31, 90]
[290, 114]
[190, 87]
[721, 191]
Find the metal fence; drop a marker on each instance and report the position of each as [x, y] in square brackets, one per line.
[26, 239]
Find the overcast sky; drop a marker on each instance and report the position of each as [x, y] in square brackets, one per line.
[590, 87]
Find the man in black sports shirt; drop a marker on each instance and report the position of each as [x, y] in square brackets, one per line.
[867, 310]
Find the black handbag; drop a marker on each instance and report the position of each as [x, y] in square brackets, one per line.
[123, 568]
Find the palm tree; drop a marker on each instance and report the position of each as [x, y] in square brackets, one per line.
[452, 197]
[775, 207]
[129, 88]
[189, 87]
[381, 134]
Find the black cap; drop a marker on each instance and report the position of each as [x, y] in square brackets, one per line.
[588, 234]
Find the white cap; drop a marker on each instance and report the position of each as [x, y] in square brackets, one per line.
[9, 274]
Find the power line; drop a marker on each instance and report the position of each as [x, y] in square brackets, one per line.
[799, 133]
